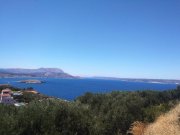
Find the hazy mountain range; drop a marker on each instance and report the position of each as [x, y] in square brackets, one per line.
[59, 73]
[40, 72]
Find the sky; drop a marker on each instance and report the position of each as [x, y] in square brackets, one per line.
[115, 38]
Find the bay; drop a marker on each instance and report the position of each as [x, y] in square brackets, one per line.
[69, 89]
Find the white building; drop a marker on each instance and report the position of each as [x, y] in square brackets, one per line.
[5, 97]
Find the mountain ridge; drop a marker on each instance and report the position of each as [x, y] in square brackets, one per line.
[39, 72]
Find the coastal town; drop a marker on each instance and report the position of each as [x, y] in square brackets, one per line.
[18, 97]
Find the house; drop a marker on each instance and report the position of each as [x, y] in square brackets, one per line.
[6, 91]
[6, 97]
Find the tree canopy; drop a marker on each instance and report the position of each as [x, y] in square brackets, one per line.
[90, 114]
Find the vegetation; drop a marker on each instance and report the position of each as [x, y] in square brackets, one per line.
[168, 124]
[115, 112]
[91, 114]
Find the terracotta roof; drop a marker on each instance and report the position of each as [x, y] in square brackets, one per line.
[6, 90]
[31, 91]
[5, 95]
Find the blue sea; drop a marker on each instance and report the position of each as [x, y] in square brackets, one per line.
[69, 89]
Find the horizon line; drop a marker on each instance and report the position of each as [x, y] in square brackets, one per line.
[95, 76]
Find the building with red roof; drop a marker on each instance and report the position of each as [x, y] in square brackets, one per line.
[5, 97]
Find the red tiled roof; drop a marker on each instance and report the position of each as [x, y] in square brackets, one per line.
[6, 91]
[5, 95]
[31, 91]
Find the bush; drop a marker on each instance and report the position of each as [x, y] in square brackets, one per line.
[91, 114]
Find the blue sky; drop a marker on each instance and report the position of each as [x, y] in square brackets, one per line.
[119, 38]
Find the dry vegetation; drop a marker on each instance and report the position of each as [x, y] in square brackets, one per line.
[137, 128]
[167, 124]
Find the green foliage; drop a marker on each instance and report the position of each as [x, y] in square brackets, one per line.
[91, 114]
[28, 97]
[118, 110]
[49, 117]
[153, 112]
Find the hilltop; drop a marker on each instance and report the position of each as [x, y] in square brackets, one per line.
[40, 72]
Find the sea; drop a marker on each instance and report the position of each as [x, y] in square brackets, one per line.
[70, 89]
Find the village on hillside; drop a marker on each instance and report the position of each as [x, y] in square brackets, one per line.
[16, 96]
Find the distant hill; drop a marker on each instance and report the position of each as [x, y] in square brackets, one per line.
[161, 81]
[40, 72]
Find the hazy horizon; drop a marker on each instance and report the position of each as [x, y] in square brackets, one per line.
[124, 39]
[91, 76]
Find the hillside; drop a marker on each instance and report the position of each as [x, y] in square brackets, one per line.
[91, 114]
[167, 124]
[41, 72]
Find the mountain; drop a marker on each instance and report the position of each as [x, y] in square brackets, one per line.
[40, 72]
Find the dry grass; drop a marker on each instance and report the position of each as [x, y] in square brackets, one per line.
[167, 124]
[137, 128]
